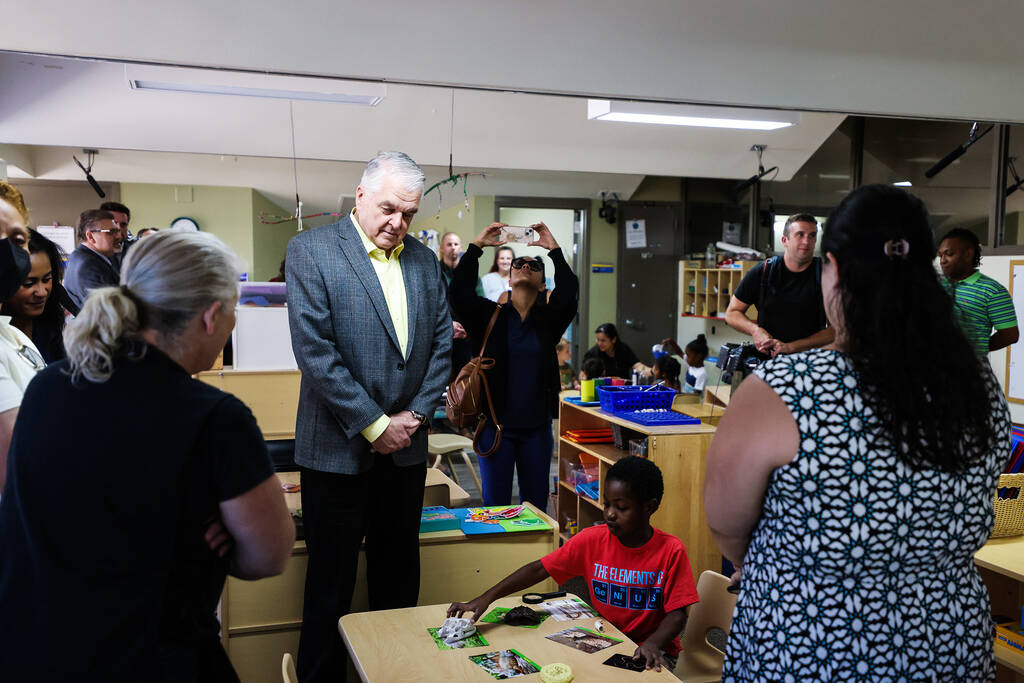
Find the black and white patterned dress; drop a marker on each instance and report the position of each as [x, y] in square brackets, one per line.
[860, 568]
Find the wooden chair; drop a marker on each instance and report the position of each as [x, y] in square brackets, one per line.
[700, 661]
[288, 669]
[447, 445]
[437, 494]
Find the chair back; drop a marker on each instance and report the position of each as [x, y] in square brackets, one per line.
[437, 494]
[700, 660]
[288, 669]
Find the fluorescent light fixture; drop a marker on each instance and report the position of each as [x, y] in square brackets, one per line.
[903, 183]
[834, 176]
[216, 82]
[690, 115]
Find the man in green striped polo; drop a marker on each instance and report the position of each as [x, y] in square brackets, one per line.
[983, 303]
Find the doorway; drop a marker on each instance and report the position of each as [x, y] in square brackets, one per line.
[566, 218]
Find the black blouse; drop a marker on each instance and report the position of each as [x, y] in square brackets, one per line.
[104, 573]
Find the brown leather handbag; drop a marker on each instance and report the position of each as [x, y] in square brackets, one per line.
[464, 397]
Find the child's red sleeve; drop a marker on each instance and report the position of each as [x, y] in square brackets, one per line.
[569, 561]
[680, 590]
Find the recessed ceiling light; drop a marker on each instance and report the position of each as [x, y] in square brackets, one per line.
[903, 183]
[217, 82]
[688, 115]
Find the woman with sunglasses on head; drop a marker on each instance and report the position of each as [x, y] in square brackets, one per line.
[524, 380]
[35, 308]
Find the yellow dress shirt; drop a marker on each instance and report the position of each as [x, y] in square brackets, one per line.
[389, 273]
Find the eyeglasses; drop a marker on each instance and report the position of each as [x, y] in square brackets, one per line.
[32, 356]
[108, 231]
[535, 266]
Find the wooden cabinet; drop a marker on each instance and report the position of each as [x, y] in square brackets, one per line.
[705, 292]
[1001, 565]
[680, 452]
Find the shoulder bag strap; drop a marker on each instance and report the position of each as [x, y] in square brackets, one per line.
[487, 392]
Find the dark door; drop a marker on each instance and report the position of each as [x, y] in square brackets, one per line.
[648, 275]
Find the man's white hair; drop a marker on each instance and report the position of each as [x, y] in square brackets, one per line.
[397, 165]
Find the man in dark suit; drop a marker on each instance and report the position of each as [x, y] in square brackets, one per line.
[92, 264]
[372, 336]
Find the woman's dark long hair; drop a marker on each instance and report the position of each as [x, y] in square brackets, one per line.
[926, 383]
[48, 328]
[497, 253]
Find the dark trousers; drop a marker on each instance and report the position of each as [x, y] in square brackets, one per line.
[381, 505]
[528, 452]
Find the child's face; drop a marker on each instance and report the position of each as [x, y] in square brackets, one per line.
[564, 355]
[626, 517]
[692, 359]
[656, 371]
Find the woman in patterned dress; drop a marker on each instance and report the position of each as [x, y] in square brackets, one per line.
[853, 484]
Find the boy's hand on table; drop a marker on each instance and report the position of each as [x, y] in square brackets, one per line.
[652, 655]
[477, 607]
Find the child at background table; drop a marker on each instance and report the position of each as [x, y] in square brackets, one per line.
[639, 577]
[666, 369]
[696, 375]
[563, 351]
[592, 368]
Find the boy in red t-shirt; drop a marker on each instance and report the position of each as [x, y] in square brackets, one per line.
[639, 577]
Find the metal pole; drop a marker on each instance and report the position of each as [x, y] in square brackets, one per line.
[856, 152]
[997, 210]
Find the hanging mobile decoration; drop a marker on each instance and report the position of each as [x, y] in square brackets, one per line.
[269, 219]
[453, 177]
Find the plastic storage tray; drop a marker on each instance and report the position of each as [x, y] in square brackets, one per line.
[655, 419]
[628, 399]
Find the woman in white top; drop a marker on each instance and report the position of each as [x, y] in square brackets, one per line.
[19, 358]
[496, 281]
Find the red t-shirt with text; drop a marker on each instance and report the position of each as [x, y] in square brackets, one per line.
[632, 588]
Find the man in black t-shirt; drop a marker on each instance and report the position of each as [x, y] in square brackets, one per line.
[787, 293]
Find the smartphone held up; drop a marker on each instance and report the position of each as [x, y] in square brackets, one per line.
[514, 234]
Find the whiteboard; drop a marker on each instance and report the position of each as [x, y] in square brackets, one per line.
[1015, 358]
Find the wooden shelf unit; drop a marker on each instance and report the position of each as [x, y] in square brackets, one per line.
[705, 292]
[1001, 565]
[679, 451]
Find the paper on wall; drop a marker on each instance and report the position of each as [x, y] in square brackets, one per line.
[636, 234]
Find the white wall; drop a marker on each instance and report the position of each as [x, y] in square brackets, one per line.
[998, 268]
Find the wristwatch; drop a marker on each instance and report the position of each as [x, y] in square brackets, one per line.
[421, 417]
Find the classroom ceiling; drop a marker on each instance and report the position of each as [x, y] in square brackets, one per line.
[910, 58]
[536, 145]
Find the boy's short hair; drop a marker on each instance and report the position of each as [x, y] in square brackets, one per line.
[593, 368]
[641, 475]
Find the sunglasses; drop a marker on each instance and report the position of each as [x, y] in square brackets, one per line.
[535, 266]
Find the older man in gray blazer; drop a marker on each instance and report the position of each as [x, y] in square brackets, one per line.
[372, 336]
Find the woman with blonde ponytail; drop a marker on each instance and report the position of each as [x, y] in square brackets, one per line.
[135, 523]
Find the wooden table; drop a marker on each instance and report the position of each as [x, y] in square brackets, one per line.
[1001, 565]
[261, 619]
[394, 645]
[460, 498]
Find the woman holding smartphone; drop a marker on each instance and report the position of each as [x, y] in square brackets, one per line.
[524, 381]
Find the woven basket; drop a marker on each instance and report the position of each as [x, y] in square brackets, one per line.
[1009, 511]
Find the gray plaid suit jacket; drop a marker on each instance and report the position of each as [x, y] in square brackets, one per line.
[345, 344]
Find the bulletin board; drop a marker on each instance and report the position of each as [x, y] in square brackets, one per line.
[1015, 357]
